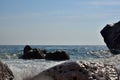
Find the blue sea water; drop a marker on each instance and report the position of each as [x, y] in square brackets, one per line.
[75, 51]
[10, 54]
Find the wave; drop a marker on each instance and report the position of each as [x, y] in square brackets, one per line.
[29, 68]
[9, 55]
[101, 54]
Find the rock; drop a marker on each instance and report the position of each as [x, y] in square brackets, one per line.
[33, 53]
[27, 48]
[58, 55]
[111, 35]
[30, 53]
[5, 72]
[79, 70]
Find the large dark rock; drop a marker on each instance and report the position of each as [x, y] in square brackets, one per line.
[79, 70]
[5, 72]
[58, 55]
[33, 53]
[27, 48]
[111, 35]
[30, 53]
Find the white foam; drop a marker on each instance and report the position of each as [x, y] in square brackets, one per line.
[28, 68]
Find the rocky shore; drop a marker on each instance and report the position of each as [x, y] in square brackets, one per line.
[79, 70]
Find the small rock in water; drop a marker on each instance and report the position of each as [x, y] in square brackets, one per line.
[5, 72]
[79, 70]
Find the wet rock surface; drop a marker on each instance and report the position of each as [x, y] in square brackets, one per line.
[79, 70]
[58, 56]
[34, 53]
[111, 35]
[5, 72]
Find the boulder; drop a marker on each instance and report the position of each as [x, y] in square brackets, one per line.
[27, 48]
[33, 53]
[30, 53]
[79, 70]
[111, 35]
[58, 55]
[5, 72]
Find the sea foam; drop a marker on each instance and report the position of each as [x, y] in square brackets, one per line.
[28, 68]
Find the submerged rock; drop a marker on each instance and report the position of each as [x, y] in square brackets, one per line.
[5, 72]
[111, 35]
[79, 70]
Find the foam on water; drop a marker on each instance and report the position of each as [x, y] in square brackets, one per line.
[28, 68]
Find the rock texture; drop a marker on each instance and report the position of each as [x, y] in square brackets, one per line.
[111, 35]
[33, 53]
[58, 55]
[79, 70]
[5, 72]
[30, 53]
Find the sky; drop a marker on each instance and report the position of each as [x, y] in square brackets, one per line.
[56, 22]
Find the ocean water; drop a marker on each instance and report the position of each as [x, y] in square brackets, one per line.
[21, 69]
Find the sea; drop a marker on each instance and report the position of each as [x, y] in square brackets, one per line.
[9, 54]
